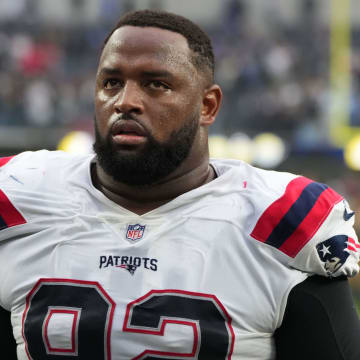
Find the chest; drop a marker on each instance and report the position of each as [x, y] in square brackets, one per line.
[184, 288]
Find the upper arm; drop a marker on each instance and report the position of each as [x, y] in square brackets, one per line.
[9, 216]
[320, 322]
[312, 225]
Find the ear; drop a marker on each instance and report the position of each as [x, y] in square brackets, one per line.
[210, 105]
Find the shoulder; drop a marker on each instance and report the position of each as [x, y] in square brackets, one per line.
[242, 174]
[307, 221]
[33, 168]
[34, 183]
[36, 159]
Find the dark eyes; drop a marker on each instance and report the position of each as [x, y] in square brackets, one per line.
[158, 85]
[110, 84]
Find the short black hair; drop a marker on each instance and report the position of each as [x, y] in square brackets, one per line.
[198, 41]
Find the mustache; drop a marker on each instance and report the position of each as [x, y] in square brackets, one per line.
[128, 116]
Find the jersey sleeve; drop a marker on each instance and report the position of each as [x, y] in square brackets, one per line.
[10, 215]
[30, 184]
[313, 226]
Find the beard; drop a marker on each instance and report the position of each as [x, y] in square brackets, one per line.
[155, 161]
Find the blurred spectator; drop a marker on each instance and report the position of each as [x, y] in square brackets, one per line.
[39, 103]
[263, 76]
[274, 80]
[11, 10]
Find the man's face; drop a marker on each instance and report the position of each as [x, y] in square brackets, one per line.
[147, 104]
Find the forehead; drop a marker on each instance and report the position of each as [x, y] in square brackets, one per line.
[134, 44]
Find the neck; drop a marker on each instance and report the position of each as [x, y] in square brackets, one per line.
[146, 198]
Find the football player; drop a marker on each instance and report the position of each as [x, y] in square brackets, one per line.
[149, 250]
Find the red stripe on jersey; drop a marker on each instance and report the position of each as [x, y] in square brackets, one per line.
[351, 248]
[354, 242]
[5, 160]
[353, 245]
[277, 210]
[313, 220]
[9, 213]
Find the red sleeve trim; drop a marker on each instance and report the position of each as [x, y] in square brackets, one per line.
[5, 160]
[293, 219]
[9, 215]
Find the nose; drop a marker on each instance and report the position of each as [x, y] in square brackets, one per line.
[129, 99]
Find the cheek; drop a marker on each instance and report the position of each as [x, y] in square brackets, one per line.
[100, 97]
[102, 107]
[102, 101]
[174, 118]
[162, 126]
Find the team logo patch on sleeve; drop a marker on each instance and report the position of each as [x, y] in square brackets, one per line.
[292, 220]
[334, 252]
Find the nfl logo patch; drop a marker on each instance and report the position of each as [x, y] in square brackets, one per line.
[135, 232]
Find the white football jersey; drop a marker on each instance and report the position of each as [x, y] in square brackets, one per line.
[205, 276]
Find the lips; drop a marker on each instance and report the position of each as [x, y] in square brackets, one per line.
[131, 127]
[128, 133]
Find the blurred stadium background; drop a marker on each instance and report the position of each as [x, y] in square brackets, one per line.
[290, 71]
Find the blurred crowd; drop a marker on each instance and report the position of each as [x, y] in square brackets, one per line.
[272, 81]
[275, 81]
[46, 71]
